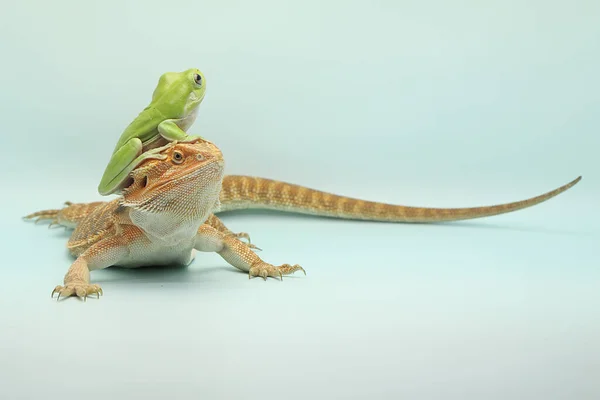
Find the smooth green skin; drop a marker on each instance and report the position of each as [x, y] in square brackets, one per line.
[171, 112]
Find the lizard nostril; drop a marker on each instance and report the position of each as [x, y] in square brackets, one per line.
[200, 157]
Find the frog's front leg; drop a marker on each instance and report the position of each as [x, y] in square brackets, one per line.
[122, 162]
[169, 130]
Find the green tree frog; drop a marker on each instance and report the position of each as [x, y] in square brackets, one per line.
[171, 112]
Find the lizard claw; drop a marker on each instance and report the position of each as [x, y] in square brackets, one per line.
[265, 270]
[250, 245]
[244, 235]
[53, 223]
[43, 215]
[80, 289]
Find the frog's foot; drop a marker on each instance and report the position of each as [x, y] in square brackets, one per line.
[266, 270]
[191, 139]
[79, 289]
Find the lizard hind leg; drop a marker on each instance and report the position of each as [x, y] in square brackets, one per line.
[216, 223]
[43, 215]
[68, 216]
[246, 236]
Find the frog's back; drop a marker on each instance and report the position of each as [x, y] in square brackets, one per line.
[143, 127]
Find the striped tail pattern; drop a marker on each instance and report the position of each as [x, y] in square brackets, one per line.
[248, 192]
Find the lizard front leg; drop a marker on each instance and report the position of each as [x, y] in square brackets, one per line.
[216, 223]
[101, 255]
[239, 254]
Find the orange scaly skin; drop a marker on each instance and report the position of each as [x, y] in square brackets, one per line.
[166, 199]
[73, 214]
[248, 192]
[160, 219]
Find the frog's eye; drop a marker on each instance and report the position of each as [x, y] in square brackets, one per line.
[198, 79]
[177, 157]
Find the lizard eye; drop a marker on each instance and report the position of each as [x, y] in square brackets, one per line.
[177, 157]
[198, 79]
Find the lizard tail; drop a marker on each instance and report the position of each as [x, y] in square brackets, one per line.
[247, 192]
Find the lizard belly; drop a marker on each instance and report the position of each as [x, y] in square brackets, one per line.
[146, 252]
[165, 229]
[163, 239]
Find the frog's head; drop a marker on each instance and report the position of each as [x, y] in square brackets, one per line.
[179, 94]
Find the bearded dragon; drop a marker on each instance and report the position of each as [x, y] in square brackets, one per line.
[169, 211]
[160, 219]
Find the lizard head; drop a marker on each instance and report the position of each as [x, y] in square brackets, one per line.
[185, 180]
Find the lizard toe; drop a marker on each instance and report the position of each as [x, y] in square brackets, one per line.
[81, 290]
[266, 270]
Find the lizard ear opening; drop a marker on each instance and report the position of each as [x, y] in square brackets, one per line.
[144, 181]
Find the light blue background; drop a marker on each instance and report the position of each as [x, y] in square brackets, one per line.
[429, 103]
